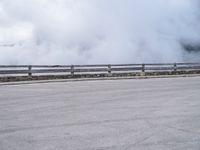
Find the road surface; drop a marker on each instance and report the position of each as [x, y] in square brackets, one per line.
[146, 114]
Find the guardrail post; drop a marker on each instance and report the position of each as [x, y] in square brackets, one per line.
[143, 67]
[175, 67]
[29, 71]
[143, 70]
[72, 70]
[109, 69]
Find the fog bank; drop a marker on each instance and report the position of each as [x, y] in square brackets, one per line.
[98, 31]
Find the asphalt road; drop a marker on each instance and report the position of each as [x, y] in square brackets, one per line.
[146, 114]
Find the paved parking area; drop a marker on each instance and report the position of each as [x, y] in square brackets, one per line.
[145, 114]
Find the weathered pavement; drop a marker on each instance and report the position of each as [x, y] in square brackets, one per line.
[147, 114]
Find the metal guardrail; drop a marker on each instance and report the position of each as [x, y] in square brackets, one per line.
[31, 70]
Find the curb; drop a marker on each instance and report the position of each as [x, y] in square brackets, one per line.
[97, 79]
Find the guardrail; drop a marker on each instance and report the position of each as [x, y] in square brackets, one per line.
[30, 71]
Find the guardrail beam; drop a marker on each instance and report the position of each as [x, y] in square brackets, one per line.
[107, 70]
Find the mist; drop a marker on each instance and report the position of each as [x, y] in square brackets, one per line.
[98, 31]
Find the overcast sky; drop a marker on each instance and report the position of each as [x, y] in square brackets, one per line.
[97, 31]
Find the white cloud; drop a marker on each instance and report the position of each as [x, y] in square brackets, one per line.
[97, 31]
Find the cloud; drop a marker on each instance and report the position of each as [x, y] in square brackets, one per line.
[97, 31]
